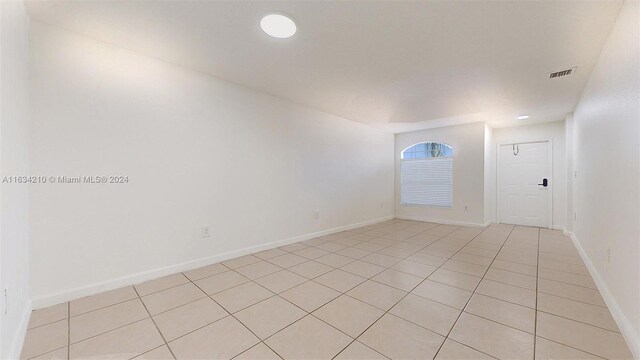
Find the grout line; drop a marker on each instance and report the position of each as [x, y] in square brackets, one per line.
[408, 292]
[154, 323]
[68, 330]
[473, 292]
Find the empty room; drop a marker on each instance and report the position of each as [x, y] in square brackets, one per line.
[319, 179]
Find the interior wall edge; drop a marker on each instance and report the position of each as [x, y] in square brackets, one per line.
[21, 332]
[624, 324]
[95, 288]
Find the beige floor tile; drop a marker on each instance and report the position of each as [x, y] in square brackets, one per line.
[203, 272]
[269, 316]
[165, 282]
[588, 338]
[223, 339]
[268, 254]
[567, 277]
[309, 338]
[572, 268]
[573, 292]
[101, 300]
[369, 246]
[379, 295]
[492, 338]
[258, 270]
[576, 310]
[427, 259]
[287, 260]
[159, 353]
[479, 251]
[438, 253]
[358, 351]
[512, 278]
[397, 279]
[293, 247]
[220, 282]
[456, 279]
[59, 354]
[382, 260]
[452, 350]
[414, 268]
[396, 252]
[281, 281]
[48, 315]
[311, 253]
[364, 269]
[44, 339]
[258, 352]
[100, 321]
[354, 253]
[465, 268]
[549, 350]
[340, 280]
[183, 319]
[241, 296]
[310, 269]
[474, 259]
[331, 246]
[310, 295]
[349, 315]
[515, 267]
[432, 315]
[506, 313]
[124, 342]
[506, 292]
[445, 294]
[334, 260]
[173, 297]
[397, 338]
[240, 261]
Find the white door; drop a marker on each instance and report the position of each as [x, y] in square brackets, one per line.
[524, 184]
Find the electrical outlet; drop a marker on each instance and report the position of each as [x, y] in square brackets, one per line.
[381, 205]
[575, 174]
[316, 214]
[608, 255]
[575, 217]
[205, 232]
[466, 207]
[5, 301]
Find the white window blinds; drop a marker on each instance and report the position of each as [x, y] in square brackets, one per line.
[427, 182]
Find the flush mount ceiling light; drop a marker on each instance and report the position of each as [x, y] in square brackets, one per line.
[522, 117]
[278, 26]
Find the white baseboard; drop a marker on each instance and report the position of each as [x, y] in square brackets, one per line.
[20, 334]
[560, 227]
[95, 288]
[443, 221]
[626, 328]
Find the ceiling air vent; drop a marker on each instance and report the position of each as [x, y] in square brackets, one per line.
[561, 73]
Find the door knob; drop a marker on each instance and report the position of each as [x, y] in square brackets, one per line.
[544, 183]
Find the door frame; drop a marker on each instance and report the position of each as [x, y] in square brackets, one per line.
[549, 171]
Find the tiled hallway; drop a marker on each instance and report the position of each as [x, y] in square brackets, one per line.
[399, 290]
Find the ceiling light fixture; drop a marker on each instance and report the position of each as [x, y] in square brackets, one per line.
[278, 26]
[522, 117]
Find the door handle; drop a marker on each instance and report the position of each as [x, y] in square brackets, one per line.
[544, 183]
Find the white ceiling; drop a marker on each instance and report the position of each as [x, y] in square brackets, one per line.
[400, 66]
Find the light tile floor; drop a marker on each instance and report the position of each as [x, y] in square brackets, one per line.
[399, 290]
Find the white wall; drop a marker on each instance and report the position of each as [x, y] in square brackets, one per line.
[606, 128]
[489, 175]
[197, 151]
[468, 174]
[554, 131]
[14, 156]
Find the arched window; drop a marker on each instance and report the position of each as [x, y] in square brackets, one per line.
[427, 150]
[426, 174]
